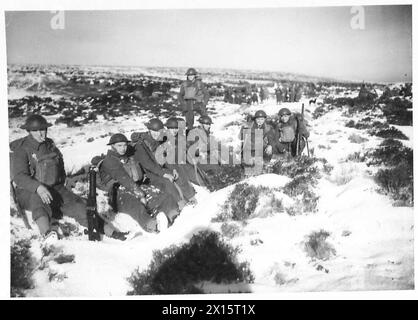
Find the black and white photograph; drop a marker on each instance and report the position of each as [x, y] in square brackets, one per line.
[203, 151]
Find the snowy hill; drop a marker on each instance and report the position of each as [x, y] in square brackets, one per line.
[367, 242]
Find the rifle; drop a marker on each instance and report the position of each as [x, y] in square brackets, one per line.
[297, 132]
[93, 218]
[19, 208]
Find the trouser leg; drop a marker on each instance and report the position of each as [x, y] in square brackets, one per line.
[73, 205]
[189, 113]
[41, 212]
[165, 185]
[128, 204]
[183, 181]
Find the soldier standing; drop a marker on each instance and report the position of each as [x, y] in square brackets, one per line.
[192, 97]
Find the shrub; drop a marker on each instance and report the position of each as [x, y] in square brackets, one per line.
[392, 133]
[356, 157]
[241, 203]
[366, 124]
[230, 230]
[298, 166]
[222, 176]
[22, 266]
[178, 269]
[317, 247]
[355, 138]
[398, 183]
[398, 111]
[343, 174]
[391, 155]
[391, 143]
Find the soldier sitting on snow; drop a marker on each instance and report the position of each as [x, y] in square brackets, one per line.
[122, 177]
[146, 145]
[37, 168]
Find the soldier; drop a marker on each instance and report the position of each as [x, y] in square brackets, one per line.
[39, 174]
[269, 137]
[193, 96]
[123, 178]
[279, 95]
[173, 145]
[288, 127]
[146, 144]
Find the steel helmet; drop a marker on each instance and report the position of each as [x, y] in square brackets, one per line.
[36, 122]
[117, 137]
[284, 111]
[260, 114]
[172, 123]
[155, 124]
[205, 120]
[191, 71]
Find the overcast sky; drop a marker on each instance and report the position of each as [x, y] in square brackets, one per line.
[314, 41]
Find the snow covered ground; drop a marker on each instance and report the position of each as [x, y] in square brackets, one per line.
[373, 240]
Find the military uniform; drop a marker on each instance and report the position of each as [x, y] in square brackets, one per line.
[193, 96]
[41, 163]
[145, 148]
[122, 177]
[269, 138]
[287, 135]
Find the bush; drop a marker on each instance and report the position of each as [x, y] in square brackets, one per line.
[391, 155]
[398, 183]
[298, 166]
[344, 174]
[356, 157]
[398, 111]
[366, 124]
[241, 203]
[317, 247]
[391, 133]
[222, 176]
[230, 230]
[178, 269]
[355, 138]
[22, 266]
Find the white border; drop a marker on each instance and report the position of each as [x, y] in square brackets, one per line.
[9, 5]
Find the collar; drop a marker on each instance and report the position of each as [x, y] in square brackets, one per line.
[113, 153]
[33, 143]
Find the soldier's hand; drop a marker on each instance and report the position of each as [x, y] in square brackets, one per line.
[139, 193]
[169, 177]
[144, 201]
[45, 195]
[175, 174]
[269, 150]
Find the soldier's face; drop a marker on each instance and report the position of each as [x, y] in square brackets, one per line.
[173, 131]
[260, 121]
[120, 147]
[285, 118]
[191, 77]
[206, 127]
[156, 134]
[39, 135]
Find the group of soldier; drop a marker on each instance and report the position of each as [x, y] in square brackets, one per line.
[292, 93]
[136, 178]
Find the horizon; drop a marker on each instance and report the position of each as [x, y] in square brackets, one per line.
[319, 78]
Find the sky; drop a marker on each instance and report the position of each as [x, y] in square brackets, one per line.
[318, 41]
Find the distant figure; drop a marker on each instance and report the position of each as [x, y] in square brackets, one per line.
[193, 97]
[279, 95]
